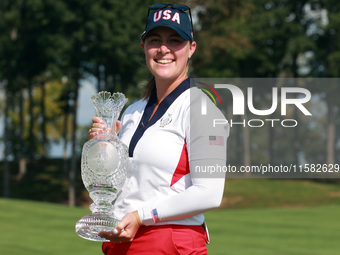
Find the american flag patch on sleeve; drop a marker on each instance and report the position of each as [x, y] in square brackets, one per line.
[216, 140]
[154, 215]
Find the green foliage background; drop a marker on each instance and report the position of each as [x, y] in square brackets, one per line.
[47, 48]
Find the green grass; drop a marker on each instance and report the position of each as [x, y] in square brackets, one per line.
[42, 228]
[264, 193]
[309, 231]
[277, 217]
[34, 228]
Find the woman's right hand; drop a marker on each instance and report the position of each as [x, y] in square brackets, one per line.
[98, 126]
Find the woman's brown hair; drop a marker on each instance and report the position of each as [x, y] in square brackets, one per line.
[148, 88]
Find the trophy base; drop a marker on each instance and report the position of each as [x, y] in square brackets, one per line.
[89, 226]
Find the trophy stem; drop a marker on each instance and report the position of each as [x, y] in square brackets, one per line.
[101, 218]
[102, 197]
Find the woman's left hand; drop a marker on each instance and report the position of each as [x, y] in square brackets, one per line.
[98, 125]
[125, 231]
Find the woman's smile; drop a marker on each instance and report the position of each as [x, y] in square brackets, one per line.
[167, 54]
[164, 61]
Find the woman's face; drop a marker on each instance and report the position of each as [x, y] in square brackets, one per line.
[167, 54]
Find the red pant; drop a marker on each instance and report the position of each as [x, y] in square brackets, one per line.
[167, 239]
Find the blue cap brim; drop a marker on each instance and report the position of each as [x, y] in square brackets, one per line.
[179, 31]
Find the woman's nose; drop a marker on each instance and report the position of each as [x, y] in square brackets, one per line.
[163, 48]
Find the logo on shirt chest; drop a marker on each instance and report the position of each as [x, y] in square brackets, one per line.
[165, 120]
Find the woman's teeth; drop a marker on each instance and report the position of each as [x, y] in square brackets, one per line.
[164, 61]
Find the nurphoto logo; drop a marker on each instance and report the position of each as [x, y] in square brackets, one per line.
[243, 100]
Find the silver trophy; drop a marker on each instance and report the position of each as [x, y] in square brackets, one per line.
[103, 168]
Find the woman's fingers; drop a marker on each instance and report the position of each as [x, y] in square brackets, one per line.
[99, 126]
[97, 120]
[118, 126]
[125, 231]
[115, 237]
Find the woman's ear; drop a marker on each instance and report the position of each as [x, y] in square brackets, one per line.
[192, 48]
[142, 44]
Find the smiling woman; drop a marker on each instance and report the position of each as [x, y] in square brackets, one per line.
[177, 25]
[162, 202]
[167, 55]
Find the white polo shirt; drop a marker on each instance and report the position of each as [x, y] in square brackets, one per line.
[161, 182]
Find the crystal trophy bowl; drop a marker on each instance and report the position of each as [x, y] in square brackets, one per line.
[103, 168]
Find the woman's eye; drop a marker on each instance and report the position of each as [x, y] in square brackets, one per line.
[154, 40]
[175, 41]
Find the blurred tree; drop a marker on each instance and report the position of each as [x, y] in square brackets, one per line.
[103, 43]
[47, 47]
[327, 65]
[264, 39]
[8, 40]
[113, 43]
[224, 44]
[52, 119]
[42, 41]
[29, 50]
